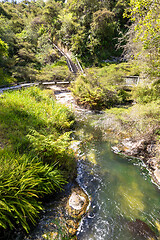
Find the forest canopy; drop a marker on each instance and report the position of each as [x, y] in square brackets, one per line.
[93, 31]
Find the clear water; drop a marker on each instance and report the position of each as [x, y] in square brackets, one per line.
[120, 189]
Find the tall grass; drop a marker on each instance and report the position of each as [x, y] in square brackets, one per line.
[22, 182]
[35, 132]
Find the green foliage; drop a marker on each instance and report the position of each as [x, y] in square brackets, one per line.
[5, 79]
[146, 94]
[91, 92]
[3, 48]
[55, 72]
[22, 182]
[102, 33]
[30, 109]
[144, 33]
[89, 30]
[54, 148]
[62, 117]
[140, 121]
[32, 123]
[115, 73]
[104, 87]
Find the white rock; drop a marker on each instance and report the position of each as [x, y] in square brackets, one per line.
[76, 201]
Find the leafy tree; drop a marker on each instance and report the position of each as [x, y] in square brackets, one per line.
[144, 34]
[3, 49]
[102, 32]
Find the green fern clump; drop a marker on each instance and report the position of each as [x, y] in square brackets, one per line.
[37, 127]
[146, 94]
[23, 181]
[53, 148]
[91, 92]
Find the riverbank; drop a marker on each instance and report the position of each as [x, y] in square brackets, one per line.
[133, 126]
[136, 134]
[35, 155]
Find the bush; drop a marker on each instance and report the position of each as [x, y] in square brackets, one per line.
[146, 94]
[22, 182]
[91, 92]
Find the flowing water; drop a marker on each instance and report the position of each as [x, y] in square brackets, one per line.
[120, 189]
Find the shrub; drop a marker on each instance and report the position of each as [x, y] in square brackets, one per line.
[22, 182]
[146, 94]
[91, 92]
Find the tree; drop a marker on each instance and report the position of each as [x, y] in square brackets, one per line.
[102, 33]
[3, 48]
[144, 33]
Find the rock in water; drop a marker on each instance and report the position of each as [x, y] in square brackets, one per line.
[140, 228]
[76, 201]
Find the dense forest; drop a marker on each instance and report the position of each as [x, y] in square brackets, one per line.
[111, 39]
[93, 31]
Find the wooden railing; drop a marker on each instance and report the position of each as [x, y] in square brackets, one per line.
[130, 81]
[73, 67]
[25, 85]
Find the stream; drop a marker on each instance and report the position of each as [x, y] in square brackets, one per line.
[122, 195]
[120, 189]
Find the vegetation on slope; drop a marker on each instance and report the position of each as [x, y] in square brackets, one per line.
[35, 158]
[88, 29]
[104, 87]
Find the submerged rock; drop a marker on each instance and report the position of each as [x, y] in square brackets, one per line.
[140, 228]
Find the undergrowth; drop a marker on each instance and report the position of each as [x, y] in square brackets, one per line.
[36, 158]
[103, 87]
[138, 121]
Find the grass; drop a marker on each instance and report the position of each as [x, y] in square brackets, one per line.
[36, 158]
[139, 120]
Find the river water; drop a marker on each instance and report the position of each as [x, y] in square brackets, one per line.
[120, 189]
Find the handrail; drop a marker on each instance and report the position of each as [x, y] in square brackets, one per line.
[79, 65]
[24, 85]
[69, 61]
